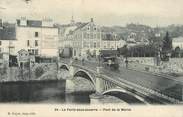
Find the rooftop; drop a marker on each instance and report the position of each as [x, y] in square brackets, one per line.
[7, 32]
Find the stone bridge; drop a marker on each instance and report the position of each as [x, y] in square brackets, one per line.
[107, 82]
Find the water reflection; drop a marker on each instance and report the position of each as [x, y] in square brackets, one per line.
[40, 92]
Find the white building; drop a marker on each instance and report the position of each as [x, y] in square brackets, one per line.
[65, 35]
[37, 37]
[87, 38]
[111, 41]
[83, 38]
[177, 42]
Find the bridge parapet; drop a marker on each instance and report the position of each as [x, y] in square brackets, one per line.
[104, 81]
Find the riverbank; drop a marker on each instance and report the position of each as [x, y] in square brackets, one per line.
[36, 72]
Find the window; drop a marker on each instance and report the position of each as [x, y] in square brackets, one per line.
[88, 36]
[28, 43]
[95, 45]
[95, 28]
[98, 44]
[1, 56]
[36, 34]
[85, 35]
[33, 52]
[91, 44]
[36, 42]
[29, 52]
[98, 35]
[95, 36]
[86, 45]
[36, 52]
[0, 42]
[91, 35]
[108, 45]
[12, 49]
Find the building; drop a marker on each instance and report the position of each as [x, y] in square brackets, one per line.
[87, 39]
[134, 39]
[23, 58]
[83, 38]
[65, 35]
[111, 41]
[177, 42]
[7, 38]
[38, 37]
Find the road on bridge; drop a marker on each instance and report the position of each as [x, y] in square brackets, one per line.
[157, 83]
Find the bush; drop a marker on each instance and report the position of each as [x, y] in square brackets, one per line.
[39, 72]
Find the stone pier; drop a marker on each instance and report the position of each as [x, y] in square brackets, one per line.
[97, 97]
[69, 86]
[71, 71]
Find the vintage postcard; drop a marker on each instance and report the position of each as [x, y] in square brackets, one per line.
[91, 58]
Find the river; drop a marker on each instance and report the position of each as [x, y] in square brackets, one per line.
[50, 91]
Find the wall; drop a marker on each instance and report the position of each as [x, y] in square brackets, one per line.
[143, 60]
[4, 46]
[146, 63]
[47, 40]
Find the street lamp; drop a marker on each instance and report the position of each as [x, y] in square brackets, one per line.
[99, 57]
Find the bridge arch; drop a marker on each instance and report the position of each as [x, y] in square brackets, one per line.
[85, 74]
[64, 66]
[122, 94]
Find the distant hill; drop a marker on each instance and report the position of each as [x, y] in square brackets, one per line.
[144, 31]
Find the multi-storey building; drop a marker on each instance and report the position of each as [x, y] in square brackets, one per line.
[83, 38]
[37, 37]
[87, 39]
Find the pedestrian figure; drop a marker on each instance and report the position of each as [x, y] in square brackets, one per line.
[83, 61]
[126, 61]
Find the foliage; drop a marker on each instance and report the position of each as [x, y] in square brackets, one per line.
[166, 47]
[138, 51]
[167, 43]
[123, 50]
[3, 70]
[39, 71]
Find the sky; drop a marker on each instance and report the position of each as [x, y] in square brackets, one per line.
[105, 12]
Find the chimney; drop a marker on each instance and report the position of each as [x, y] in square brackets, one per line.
[91, 19]
[1, 23]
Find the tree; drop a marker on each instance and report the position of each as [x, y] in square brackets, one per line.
[39, 72]
[166, 47]
[167, 43]
[123, 51]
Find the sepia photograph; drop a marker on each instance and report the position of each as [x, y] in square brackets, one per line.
[123, 53]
